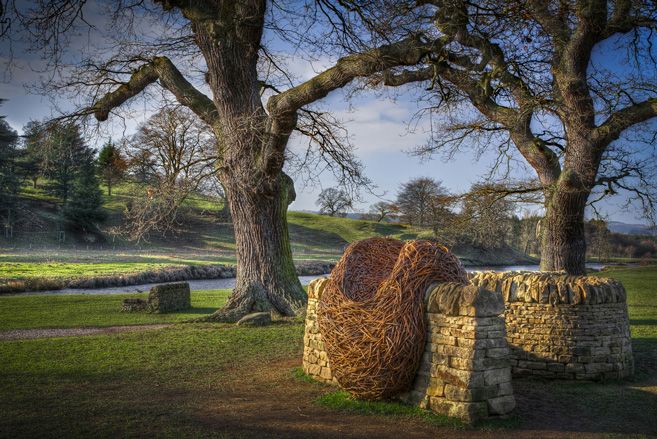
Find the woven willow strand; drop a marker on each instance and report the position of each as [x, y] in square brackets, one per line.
[371, 312]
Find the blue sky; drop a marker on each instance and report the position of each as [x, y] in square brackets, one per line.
[377, 124]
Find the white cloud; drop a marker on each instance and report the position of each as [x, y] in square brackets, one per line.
[382, 125]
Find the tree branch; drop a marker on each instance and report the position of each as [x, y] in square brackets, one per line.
[518, 123]
[405, 52]
[162, 69]
[407, 76]
[622, 21]
[552, 24]
[622, 119]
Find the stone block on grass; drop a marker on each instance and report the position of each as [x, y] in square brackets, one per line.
[168, 298]
[131, 305]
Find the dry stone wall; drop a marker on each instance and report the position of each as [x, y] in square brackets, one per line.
[465, 370]
[560, 326]
[315, 359]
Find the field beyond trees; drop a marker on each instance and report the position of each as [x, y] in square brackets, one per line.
[220, 380]
[35, 257]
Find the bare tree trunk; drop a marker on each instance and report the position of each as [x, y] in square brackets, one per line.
[563, 246]
[252, 141]
[266, 277]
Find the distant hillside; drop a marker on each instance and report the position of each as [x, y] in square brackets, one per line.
[202, 230]
[630, 229]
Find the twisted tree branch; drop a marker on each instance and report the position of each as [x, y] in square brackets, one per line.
[162, 69]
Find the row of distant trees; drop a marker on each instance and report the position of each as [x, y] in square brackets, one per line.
[604, 244]
[480, 217]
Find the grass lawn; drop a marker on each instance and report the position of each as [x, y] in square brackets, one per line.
[80, 264]
[213, 380]
[67, 270]
[641, 285]
[312, 236]
[153, 383]
[68, 311]
[207, 238]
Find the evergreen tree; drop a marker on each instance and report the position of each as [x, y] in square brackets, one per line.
[83, 210]
[9, 175]
[111, 165]
[33, 152]
[63, 154]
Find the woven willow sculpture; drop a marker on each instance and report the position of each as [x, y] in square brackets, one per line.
[371, 312]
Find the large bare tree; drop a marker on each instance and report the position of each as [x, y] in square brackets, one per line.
[424, 202]
[221, 43]
[538, 80]
[175, 150]
[334, 202]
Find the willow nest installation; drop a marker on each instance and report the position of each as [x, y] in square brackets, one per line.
[371, 312]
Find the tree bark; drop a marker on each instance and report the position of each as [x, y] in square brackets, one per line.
[563, 244]
[266, 277]
[251, 142]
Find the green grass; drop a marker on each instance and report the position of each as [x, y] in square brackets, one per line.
[157, 383]
[641, 286]
[143, 384]
[206, 239]
[347, 229]
[341, 400]
[68, 311]
[71, 270]
[299, 374]
[92, 257]
[313, 236]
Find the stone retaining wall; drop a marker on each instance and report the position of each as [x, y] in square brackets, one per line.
[465, 370]
[559, 326]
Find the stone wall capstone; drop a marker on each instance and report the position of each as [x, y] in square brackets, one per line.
[464, 371]
[560, 326]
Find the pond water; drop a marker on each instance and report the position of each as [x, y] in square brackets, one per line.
[218, 284]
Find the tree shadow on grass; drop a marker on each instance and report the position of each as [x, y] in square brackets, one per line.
[204, 310]
[647, 322]
[309, 237]
[625, 407]
[386, 229]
